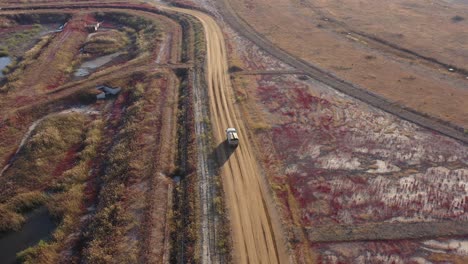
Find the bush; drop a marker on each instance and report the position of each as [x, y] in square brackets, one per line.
[457, 18]
[41, 253]
[261, 126]
[66, 203]
[235, 69]
[10, 220]
[26, 201]
[106, 43]
[4, 52]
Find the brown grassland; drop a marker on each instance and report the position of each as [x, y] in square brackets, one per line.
[407, 63]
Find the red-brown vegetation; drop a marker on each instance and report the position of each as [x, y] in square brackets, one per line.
[346, 164]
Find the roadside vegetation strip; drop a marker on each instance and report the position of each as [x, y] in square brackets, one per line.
[115, 232]
[244, 29]
[157, 223]
[387, 231]
[184, 233]
[214, 239]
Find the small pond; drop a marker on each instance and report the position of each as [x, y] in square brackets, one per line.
[39, 226]
[4, 61]
[87, 67]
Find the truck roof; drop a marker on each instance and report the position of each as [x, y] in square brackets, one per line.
[234, 135]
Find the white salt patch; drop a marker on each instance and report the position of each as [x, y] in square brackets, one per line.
[335, 162]
[384, 167]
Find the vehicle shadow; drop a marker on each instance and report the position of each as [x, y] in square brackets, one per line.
[222, 153]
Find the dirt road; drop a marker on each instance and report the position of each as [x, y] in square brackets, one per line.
[256, 234]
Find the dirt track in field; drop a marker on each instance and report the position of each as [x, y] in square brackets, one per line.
[256, 233]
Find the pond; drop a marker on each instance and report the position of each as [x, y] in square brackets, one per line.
[87, 67]
[39, 226]
[4, 61]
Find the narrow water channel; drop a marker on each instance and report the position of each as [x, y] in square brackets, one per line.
[39, 226]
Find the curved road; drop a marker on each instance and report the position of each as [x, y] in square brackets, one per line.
[256, 235]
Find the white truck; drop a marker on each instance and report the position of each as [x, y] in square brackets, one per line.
[232, 137]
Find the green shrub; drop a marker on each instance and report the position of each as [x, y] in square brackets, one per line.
[66, 203]
[4, 52]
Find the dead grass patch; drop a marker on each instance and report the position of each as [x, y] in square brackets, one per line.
[106, 42]
[31, 172]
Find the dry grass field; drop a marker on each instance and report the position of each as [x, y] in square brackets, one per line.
[401, 50]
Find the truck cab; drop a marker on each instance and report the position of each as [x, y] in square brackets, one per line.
[232, 137]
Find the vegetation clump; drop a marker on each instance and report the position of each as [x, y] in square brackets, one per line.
[106, 238]
[4, 51]
[106, 43]
[32, 171]
[457, 18]
[141, 31]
